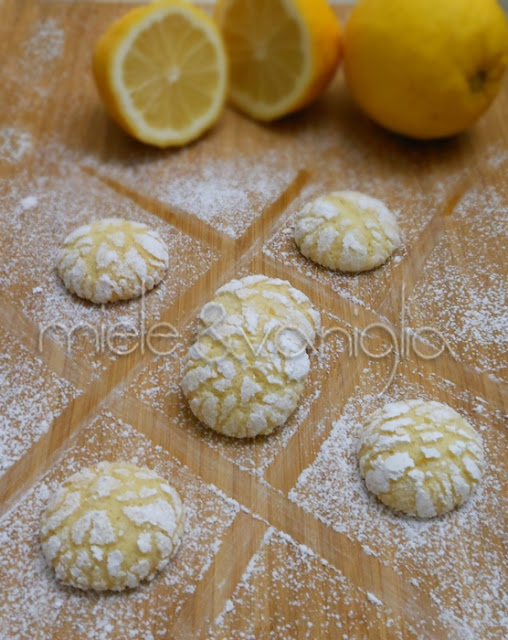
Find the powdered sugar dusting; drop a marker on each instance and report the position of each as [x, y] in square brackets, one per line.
[458, 556]
[374, 599]
[64, 203]
[412, 208]
[30, 202]
[462, 291]
[302, 587]
[37, 67]
[34, 600]
[226, 190]
[31, 398]
[15, 144]
[226, 194]
[45, 44]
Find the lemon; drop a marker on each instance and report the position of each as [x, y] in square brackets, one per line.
[425, 68]
[282, 53]
[161, 71]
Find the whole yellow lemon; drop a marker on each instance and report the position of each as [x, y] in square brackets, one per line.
[425, 68]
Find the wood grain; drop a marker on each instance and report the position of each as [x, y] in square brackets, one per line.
[290, 564]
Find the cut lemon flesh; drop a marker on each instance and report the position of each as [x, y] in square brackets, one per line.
[282, 53]
[161, 71]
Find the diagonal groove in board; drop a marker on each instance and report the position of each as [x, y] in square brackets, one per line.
[95, 391]
[477, 381]
[189, 224]
[300, 451]
[315, 290]
[389, 311]
[412, 266]
[53, 355]
[24, 472]
[184, 309]
[270, 505]
[272, 218]
[242, 540]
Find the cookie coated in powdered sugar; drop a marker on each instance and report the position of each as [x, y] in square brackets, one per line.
[244, 375]
[111, 526]
[112, 259]
[347, 231]
[420, 457]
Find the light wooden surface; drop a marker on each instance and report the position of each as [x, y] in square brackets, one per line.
[270, 552]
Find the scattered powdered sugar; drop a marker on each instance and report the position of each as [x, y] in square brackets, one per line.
[302, 601]
[229, 184]
[227, 194]
[38, 69]
[45, 44]
[412, 208]
[31, 397]
[459, 556]
[374, 599]
[33, 601]
[15, 144]
[462, 290]
[496, 155]
[29, 202]
[63, 203]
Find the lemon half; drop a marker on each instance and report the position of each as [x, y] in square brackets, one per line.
[161, 71]
[282, 53]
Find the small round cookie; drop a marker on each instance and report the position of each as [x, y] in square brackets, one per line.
[112, 259]
[111, 526]
[244, 375]
[258, 296]
[347, 231]
[420, 457]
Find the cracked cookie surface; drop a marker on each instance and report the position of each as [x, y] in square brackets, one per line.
[347, 231]
[110, 526]
[420, 457]
[112, 259]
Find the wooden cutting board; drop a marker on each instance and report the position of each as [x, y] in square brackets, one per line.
[283, 540]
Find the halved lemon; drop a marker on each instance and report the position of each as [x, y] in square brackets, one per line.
[161, 71]
[282, 53]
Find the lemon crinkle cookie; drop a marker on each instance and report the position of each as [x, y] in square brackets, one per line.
[420, 457]
[112, 259]
[110, 526]
[282, 53]
[245, 374]
[347, 231]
